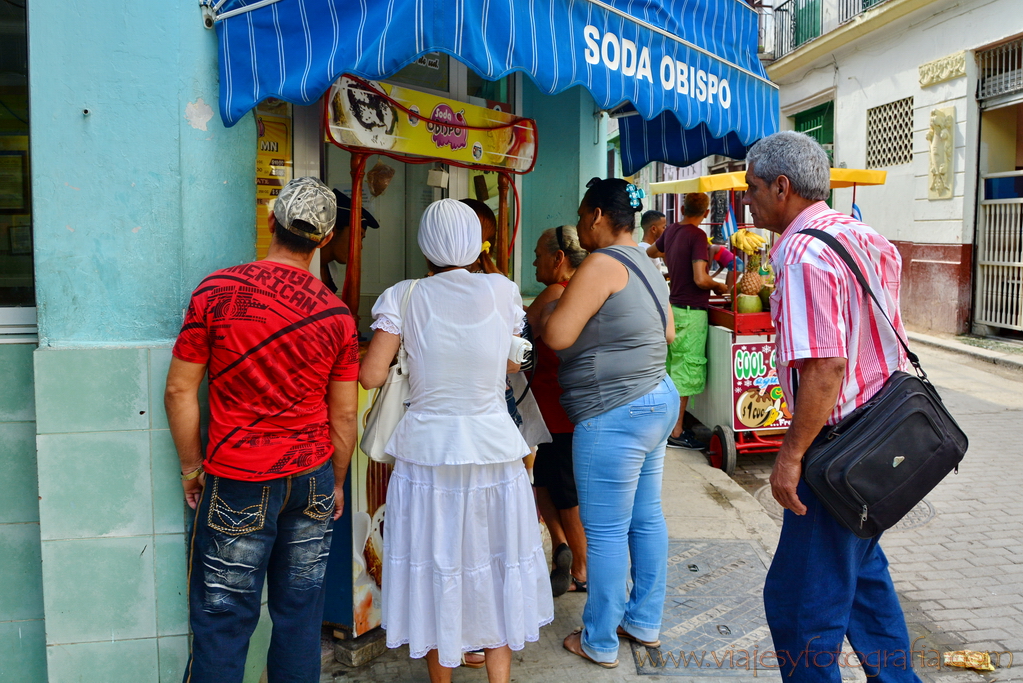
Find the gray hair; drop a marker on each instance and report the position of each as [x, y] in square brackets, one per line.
[569, 244]
[796, 156]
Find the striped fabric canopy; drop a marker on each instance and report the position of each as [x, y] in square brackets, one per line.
[687, 68]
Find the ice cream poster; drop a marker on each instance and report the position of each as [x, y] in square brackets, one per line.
[389, 118]
[757, 400]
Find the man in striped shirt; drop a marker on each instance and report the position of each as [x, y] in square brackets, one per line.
[825, 583]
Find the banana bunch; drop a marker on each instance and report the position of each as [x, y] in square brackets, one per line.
[748, 242]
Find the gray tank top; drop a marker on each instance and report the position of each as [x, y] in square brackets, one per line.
[619, 355]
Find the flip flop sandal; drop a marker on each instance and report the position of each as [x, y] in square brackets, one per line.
[577, 586]
[561, 577]
[474, 665]
[622, 633]
[582, 652]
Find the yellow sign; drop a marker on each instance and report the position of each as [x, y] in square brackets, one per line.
[273, 171]
[389, 118]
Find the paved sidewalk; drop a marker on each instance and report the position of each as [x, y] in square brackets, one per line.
[700, 502]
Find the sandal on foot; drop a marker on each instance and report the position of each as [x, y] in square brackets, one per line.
[561, 578]
[622, 633]
[577, 586]
[582, 652]
[474, 665]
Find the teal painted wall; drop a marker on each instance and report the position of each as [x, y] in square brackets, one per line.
[134, 203]
[572, 150]
[22, 636]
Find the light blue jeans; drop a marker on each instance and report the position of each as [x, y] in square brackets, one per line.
[619, 463]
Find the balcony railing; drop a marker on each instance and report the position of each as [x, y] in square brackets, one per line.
[847, 9]
[796, 22]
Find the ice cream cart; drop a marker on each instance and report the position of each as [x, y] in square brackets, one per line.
[742, 403]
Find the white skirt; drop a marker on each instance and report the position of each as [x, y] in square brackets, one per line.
[464, 567]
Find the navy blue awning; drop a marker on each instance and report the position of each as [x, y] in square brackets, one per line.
[683, 65]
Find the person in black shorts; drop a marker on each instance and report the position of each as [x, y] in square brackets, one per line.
[558, 254]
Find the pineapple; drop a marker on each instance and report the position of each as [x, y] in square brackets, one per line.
[751, 281]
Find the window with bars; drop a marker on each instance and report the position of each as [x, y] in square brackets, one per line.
[890, 134]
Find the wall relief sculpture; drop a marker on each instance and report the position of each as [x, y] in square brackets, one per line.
[941, 146]
[944, 69]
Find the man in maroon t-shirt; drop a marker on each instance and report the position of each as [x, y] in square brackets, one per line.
[282, 357]
[684, 248]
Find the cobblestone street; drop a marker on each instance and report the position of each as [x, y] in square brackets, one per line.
[957, 561]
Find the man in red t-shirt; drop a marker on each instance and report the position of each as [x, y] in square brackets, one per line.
[684, 248]
[282, 357]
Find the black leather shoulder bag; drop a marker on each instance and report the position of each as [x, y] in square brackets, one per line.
[878, 462]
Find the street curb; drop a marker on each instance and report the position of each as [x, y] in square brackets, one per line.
[995, 357]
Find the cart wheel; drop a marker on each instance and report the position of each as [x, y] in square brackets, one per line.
[722, 449]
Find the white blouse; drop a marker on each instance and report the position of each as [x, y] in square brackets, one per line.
[458, 332]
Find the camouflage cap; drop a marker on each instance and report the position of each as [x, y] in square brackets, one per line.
[306, 199]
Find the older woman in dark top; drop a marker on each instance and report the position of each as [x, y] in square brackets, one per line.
[611, 332]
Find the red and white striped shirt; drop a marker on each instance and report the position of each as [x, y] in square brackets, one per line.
[819, 309]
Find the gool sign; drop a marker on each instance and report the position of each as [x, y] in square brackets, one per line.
[623, 55]
[757, 398]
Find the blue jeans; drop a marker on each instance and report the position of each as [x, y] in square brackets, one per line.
[619, 463]
[826, 583]
[246, 531]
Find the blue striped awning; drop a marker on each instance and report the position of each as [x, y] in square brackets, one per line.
[688, 68]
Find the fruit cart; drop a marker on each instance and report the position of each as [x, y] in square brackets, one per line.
[743, 402]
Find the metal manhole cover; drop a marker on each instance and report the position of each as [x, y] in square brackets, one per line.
[922, 512]
[713, 622]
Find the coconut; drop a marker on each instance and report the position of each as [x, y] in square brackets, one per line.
[765, 296]
[748, 303]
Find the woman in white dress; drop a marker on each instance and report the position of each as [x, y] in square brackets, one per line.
[464, 568]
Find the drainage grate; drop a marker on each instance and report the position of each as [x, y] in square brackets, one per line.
[713, 622]
[921, 514]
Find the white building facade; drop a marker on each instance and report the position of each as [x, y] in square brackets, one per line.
[930, 91]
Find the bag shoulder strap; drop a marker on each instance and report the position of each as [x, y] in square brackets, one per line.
[844, 254]
[634, 268]
[402, 355]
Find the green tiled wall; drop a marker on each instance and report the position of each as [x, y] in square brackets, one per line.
[22, 631]
[112, 519]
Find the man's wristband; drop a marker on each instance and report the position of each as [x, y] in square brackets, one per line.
[193, 474]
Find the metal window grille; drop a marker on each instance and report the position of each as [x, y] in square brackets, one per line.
[998, 301]
[890, 134]
[1001, 69]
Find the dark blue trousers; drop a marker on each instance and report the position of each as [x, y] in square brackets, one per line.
[245, 532]
[826, 583]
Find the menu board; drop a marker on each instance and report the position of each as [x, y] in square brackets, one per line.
[274, 169]
[757, 399]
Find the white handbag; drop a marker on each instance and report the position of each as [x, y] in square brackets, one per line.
[390, 404]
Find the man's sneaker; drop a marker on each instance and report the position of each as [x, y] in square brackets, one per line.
[686, 440]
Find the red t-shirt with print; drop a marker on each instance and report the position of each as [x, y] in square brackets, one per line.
[272, 336]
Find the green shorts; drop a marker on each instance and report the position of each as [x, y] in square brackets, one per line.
[687, 355]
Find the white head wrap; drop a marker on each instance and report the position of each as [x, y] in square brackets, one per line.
[450, 234]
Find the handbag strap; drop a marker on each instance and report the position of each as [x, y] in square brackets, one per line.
[634, 268]
[402, 355]
[844, 254]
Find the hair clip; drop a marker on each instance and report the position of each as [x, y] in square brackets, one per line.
[635, 194]
[486, 248]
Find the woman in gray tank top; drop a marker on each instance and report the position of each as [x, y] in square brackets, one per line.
[610, 329]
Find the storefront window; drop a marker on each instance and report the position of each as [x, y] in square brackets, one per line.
[17, 286]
